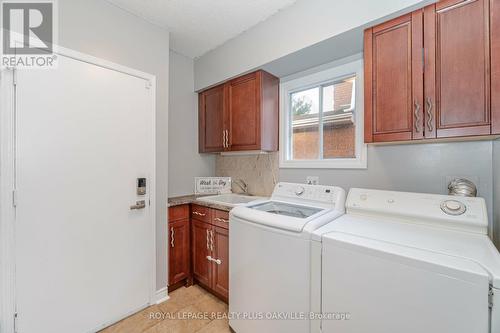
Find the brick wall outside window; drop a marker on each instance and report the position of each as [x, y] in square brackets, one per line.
[338, 139]
[338, 142]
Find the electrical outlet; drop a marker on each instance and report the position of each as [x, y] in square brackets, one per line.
[312, 180]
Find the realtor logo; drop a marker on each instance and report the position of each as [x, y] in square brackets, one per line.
[28, 34]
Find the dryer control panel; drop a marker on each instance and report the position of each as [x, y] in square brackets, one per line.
[452, 212]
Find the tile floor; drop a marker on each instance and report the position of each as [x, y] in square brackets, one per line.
[188, 310]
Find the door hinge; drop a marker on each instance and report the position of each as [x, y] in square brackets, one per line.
[490, 297]
[14, 198]
[148, 84]
[15, 322]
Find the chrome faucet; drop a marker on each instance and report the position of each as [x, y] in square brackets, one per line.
[242, 185]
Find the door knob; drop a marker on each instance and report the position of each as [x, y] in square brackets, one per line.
[141, 204]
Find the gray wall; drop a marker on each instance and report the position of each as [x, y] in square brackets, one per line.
[301, 25]
[184, 162]
[413, 168]
[496, 192]
[100, 29]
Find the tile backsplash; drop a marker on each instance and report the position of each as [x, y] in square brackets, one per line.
[260, 172]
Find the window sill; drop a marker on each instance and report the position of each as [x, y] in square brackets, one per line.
[324, 164]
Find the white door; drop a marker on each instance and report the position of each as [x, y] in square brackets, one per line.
[84, 135]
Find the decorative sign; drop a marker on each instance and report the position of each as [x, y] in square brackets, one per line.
[212, 185]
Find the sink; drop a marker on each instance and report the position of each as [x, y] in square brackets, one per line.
[230, 199]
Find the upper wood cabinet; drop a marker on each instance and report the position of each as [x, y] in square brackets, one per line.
[428, 73]
[244, 112]
[495, 65]
[393, 95]
[212, 110]
[247, 115]
[458, 78]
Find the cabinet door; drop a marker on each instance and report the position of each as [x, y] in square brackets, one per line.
[201, 249]
[211, 120]
[178, 260]
[394, 80]
[495, 66]
[244, 97]
[220, 265]
[458, 87]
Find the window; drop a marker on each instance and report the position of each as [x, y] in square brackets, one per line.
[322, 119]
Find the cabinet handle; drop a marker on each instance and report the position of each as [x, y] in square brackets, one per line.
[221, 220]
[211, 240]
[208, 241]
[417, 116]
[227, 138]
[429, 114]
[199, 214]
[217, 261]
[223, 138]
[172, 242]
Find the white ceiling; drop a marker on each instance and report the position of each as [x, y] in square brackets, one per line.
[198, 26]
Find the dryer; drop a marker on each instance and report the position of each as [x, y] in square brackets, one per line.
[408, 262]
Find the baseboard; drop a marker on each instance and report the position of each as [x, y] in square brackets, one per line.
[161, 295]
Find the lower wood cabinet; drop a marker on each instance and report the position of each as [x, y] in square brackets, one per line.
[179, 271]
[179, 251]
[220, 262]
[199, 248]
[210, 250]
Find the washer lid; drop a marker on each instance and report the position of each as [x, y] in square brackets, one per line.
[286, 209]
[280, 215]
[285, 220]
[469, 247]
[295, 207]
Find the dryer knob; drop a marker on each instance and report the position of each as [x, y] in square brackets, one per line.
[453, 207]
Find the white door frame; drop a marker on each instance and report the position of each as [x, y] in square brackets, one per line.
[8, 176]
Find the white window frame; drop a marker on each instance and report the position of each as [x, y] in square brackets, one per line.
[333, 74]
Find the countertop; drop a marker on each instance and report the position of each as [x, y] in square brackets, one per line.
[193, 199]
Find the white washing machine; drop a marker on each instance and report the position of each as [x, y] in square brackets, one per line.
[270, 257]
[407, 262]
